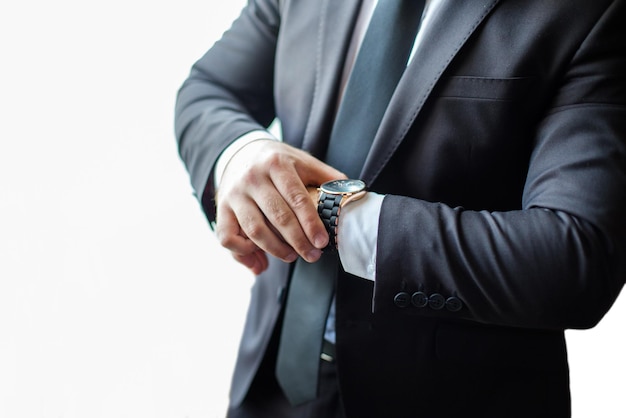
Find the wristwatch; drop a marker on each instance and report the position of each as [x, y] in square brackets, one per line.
[334, 195]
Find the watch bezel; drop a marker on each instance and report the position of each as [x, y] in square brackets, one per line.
[343, 186]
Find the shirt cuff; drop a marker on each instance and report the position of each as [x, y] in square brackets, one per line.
[234, 148]
[358, 235]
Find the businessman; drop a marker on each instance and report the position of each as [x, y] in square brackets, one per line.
[452, 202]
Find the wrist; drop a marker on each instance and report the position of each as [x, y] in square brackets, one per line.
[234, 148]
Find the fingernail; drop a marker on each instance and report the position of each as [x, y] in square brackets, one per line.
[320, 241]
[291, 258]
[313, 255]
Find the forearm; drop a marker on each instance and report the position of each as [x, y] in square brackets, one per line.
[229, 92]
[534, 268]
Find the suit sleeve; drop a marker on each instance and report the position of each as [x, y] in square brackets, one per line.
[228, 93]
[560, 261]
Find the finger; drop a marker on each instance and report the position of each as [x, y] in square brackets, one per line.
[251, 218]
[291, 182]
[256, 262]
[262, 261]
[230, 235]
[311, 234]
[277, 202]
[282, 221]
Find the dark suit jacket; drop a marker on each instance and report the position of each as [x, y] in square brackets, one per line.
[503, 158]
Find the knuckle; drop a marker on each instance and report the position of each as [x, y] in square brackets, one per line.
[275, 160]
[254, 231]
[281, 217]
[278, 214]
[228, 242]
[224, 239]
[280, 162]
[251, 177]
[300, 200]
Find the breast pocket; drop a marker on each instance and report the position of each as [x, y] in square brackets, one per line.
[485, 88]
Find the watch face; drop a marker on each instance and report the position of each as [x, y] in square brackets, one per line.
[343, 186]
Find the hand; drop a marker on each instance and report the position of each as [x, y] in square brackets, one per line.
[264, 206]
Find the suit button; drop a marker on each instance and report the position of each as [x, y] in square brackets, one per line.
[454, 304]
[419, 299]
[402, 300]
[436, 301]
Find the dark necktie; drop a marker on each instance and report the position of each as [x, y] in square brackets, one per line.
[380, 63]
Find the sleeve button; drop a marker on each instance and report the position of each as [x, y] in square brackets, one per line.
[419, 299]
[402, 300]
[454, 304]
[436, 301]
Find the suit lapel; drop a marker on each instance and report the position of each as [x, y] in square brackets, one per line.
[449, 28]
[333, 39]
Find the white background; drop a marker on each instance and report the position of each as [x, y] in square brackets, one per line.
[115, 300]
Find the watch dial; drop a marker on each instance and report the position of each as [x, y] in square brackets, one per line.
[343, 186]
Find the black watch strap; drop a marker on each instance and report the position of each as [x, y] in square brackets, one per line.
[328, 208]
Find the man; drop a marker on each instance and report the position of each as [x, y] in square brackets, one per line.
[493, 216]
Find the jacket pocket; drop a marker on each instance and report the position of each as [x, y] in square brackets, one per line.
[485, 88]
